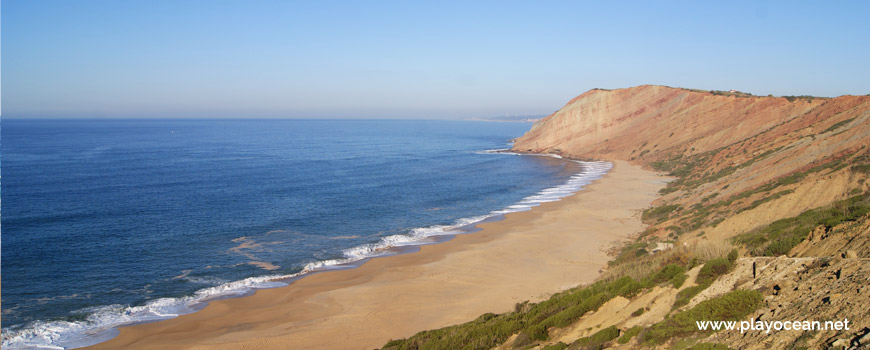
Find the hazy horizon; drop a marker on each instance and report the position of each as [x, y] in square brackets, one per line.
[394, 60]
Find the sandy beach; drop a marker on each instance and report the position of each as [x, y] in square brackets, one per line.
[527, 256]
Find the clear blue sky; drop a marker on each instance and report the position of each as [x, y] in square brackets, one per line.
[408, 59]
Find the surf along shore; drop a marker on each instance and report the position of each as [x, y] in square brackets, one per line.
[527, 256]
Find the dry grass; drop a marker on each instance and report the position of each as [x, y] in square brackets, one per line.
[643, 266]
[640, 267]
[708, 250]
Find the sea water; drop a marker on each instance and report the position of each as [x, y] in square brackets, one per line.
[114, 222]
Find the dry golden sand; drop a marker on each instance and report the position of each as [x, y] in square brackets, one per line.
[526, 256]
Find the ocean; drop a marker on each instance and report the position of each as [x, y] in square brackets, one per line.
[114, 222]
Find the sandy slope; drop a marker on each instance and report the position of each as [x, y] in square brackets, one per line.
[526, 256]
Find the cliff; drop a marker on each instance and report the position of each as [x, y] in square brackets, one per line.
[771, 176]
[767, 219]
[720, 146]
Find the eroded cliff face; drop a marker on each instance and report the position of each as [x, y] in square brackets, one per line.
[724, 148]
[641, 122]
[767, 219]
[786, 181]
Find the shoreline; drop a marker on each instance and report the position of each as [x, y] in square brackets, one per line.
[165, 309]
[395, 296]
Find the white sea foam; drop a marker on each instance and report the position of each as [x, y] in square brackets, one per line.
[101, 322]
[591, 172]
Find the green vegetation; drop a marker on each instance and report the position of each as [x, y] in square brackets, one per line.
[734, 305]
[557, 346]
[686, 295]
[678, 280]
[660, 213]
[837, 125]
[628, 334]
[781, 236]
[629, 252]
[731, 93]
[733, 255]
[713, 269]
[766, 199]
[734, 93]
[530, 320]
[597, 340]
[668, 273]
[686, 169]
[808, 98]
[706, 213]
[708, 273]
[635, 269]
[638, 312]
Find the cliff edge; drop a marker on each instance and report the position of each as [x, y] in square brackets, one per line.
[767, 219]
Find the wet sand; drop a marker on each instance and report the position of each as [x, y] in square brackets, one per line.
[527, 256]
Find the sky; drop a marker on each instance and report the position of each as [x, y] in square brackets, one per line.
[410, 59]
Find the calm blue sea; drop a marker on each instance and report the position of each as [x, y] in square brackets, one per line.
[112, 222]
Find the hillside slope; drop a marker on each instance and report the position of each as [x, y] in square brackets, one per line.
[768, 219]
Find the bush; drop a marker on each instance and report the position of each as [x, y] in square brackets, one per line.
[667, 273]
[732, 256]
[638, 312]
[628, 334]
[686, 295]
[782, 246]
[708, 273]
[779, 237]
[659, 213]
[597, 340]
[730, 306]
[713, 269]
[678, 280]
[557, 346]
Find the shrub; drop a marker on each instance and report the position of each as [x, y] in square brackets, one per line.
[596, 340]
[686, 295]
[667, 273]
[640, 268]
[628, 334]
[781, 236]
[557, 346]
[734, 305]
[782, 246]
[659, 213]
[732, 256]
[712, 269]
[638, 312]
[678, 280]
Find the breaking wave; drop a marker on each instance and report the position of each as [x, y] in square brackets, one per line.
[101, 322]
